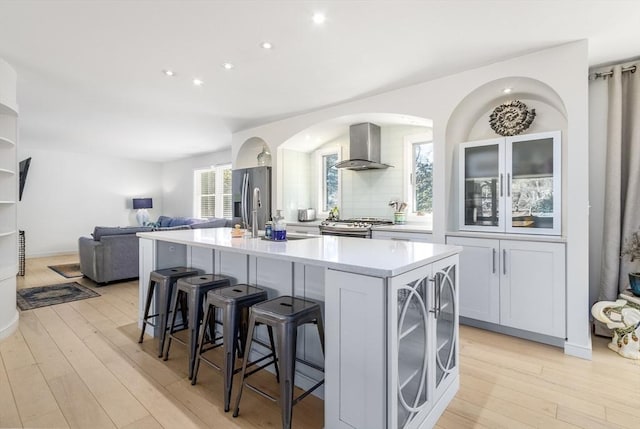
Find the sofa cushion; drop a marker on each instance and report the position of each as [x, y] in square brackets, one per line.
[177, 221]
[101, 231]
[171, 228]
[163, 221]
[211, 223]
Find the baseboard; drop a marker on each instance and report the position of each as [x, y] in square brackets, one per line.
[579, 351]
[49, 254]
[10, 328]
[531, 336]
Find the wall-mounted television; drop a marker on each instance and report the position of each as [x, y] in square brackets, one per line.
[24, 169]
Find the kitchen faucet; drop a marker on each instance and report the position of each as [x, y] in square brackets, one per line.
[254, 212]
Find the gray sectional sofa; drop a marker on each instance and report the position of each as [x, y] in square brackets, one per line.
[111, 253]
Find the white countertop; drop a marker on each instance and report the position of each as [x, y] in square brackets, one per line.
[379, 258]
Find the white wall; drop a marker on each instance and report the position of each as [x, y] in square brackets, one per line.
[297, 182]
[564, 69]
[177, 181]
[67, 194]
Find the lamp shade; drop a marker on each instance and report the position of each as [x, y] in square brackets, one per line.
[142, 203]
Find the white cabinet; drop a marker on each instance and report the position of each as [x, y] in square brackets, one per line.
[423, 364]
[402, 236]
[513, 283]
[511, 184]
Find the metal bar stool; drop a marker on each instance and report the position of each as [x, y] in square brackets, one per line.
[192, 289]
[285, 314]
[162, 281]
[234, 301]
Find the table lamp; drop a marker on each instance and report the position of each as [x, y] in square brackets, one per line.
[142, 204]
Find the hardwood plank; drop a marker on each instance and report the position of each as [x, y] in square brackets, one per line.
[9, 416]
[52, 419]
[79, 407]
[582, 420]
[31, 392]
[15, 352]
[144, 423]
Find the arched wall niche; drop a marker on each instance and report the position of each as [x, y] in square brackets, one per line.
[361, 194]
[248, 152]
[470, 122]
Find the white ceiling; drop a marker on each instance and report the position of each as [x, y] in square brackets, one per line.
[90, 72]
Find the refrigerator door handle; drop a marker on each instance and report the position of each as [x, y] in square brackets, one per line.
[245, 213]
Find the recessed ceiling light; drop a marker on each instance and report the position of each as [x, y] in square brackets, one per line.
[169, 72]
[507, 90]
[198, 82]
[319, 18]
[227, 66]
[266, 45]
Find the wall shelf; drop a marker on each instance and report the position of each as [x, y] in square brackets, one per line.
[7, 202]
[7, 233]
[5, 171]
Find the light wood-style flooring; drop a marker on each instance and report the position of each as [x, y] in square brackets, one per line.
[79, 365]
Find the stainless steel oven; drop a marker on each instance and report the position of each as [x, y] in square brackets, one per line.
[357, 227]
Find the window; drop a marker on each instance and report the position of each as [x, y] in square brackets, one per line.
[213, 192]
[420, 165]
[330, 186]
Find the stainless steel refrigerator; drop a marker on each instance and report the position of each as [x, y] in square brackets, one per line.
[243, 182]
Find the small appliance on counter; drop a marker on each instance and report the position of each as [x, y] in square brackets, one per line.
[306, 215]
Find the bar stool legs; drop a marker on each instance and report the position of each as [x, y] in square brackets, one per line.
[193, 290]
[162, 282]
[285, 314]
[234, 302]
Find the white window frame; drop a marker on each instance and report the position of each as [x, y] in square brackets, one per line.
[218, 192]
[321, 178]
[409, 141]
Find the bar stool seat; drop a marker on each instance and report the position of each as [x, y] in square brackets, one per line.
[284, 314]
[163, 282]
[234, 302]
[192, 291]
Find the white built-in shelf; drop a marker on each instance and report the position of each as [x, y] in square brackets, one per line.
[5, 109]
[7, 233]
[6, 141]
[5, 171]
[7, 202]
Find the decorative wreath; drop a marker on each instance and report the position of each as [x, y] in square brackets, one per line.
[511, 118]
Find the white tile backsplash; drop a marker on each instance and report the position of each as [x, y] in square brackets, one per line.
[364, 193]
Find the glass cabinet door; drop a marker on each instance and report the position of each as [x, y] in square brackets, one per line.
[482, 187]
[445, 321]
[533, 183]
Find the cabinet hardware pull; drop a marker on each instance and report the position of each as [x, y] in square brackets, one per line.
[504, 261]
[493, 259]
[501, 185]
[508, 184]
[399, 239]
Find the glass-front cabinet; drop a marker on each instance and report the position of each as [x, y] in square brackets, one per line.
[512, 184]
[423, 341]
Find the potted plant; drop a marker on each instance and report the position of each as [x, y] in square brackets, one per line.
[632, 248]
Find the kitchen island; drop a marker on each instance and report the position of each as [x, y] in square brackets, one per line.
[390, 312]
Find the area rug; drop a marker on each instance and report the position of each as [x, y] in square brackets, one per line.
[42, 296]
[67, 270]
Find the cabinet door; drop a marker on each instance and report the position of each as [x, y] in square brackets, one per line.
[532, 292]
[479, 278]
[411, 347]
[445, 323]
[534, 183]
[481, 189]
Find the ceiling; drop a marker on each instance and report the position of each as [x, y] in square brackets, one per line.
[90, 72]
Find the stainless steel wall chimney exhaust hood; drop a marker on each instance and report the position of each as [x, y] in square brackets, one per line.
[364, 148]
